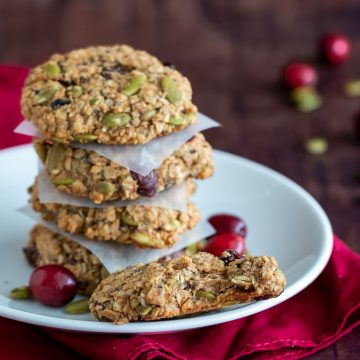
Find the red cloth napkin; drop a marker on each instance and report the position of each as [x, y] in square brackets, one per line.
[318, 316]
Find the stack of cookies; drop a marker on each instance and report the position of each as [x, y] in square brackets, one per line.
[111, 96]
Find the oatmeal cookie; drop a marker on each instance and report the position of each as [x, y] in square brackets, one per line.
[185, 285]
[83, 173]
[107, 94]
[46, 247]
[143, 226]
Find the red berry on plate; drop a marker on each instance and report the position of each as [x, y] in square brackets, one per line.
[299, 74]
[336, 48]
[52, 285]
[221, 242]
[225, 223]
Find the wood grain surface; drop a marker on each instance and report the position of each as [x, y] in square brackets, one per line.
[233, 53]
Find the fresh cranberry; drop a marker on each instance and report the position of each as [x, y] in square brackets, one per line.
[147, 185]
[300, 74]
[221, 242]
[52, 285]
[336, 48]
[225, 223]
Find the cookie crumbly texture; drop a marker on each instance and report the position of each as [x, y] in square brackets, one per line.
[83, 173]
[185, 285]
[70, 96]
[46, 247]
[143, 226]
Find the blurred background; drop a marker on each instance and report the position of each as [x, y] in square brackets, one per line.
[233, 52]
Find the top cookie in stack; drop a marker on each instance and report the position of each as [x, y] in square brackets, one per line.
[109, 95]
[114, 95]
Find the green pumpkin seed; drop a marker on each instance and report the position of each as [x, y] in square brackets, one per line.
[316, 146]
[128, 220]
[148, 115]
[41, 150]
[55, 157]
[173, 225]
[171, 90]
[187, 118]
[95, 101]
[146, 309]
[57, 139]
[63, 181]
[306, 99]
[203, 294]
[52, 70]
[77, 307]
[134, 85]
[106, 188]
[44, 95]
[104, 273]
[176, 120]
[83, 167]
[115, 120]
[142, 239]
[192, 249]
[229, 303]
[79, 153]
[352, 88]
[74, 91]
[20, 293]
[85, 137]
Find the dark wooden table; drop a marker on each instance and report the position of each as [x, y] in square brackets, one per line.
[233, 53]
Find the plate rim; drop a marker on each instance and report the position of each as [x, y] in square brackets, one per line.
[170, 325]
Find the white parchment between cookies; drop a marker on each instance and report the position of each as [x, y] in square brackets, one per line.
[172, 198]
[139, 158]
[118, 256]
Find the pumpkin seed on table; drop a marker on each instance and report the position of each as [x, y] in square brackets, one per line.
[115, 120]
[306, 99]
[77, 307]
[135, 84]
[171, 90]
[352, 88]
[316, 146]
[20, 293]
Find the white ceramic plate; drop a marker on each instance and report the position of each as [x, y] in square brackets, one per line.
[283, 221]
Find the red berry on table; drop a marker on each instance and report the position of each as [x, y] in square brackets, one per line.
[52, 285]
[221, 242]
[226, 223]
[299, 74]
[336, 48]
